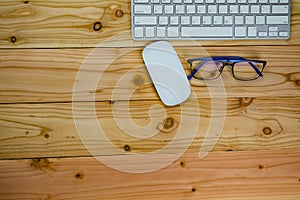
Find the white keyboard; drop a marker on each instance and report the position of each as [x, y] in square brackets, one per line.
[210, 19]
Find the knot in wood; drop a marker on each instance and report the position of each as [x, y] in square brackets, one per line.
[127, 147]
[267, 130]
[244, 102]
[169, 123]
[119, 13]
[260, 166]
[97, 26]
[79, 175]
[13, 39]
[138, 80]
[42, 164]
[182, 164]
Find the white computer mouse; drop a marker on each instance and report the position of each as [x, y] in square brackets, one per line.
[167, 73]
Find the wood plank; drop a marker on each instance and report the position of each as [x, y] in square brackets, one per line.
[48, 130]
[49, 75]
[44, 24]
[221, 175]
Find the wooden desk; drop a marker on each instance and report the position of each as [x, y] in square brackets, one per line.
[44, 44]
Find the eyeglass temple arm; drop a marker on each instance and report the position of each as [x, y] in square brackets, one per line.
[255, 68]
[195, 70]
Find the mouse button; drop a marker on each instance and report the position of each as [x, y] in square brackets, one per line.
[159, 55]
[163, 45]
[165, 59]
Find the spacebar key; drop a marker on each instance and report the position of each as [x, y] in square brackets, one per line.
[207, 32]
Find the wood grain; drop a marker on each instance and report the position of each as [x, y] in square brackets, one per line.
[49, 75]
[56, 24]
[221, 175]
[48, 130]
[47, 48]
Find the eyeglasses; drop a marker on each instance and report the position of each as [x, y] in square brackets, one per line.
[210, 68]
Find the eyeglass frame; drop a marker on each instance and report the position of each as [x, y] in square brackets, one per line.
[226, 60]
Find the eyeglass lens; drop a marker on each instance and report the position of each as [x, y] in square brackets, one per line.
[244, 71]
[209, 70]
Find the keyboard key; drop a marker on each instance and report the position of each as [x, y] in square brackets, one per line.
[223, 9]
[273, 28]
[252, 31]
[158, 9]
[228, 20]
[280, 9]
[249, 20]
[284, 1]
[233, 9]
[255, 9]
[173, 31]
[149, 31]
[180, 9]
[148, 20]
[240, 31]
[218, 20]
[196, 20]
[201, 9]
[273, 34]
[212, 9]
[206, 32]
[163, 20]
[207, 20]
[139, 32]
[191, 9]
[260, 20]
[244, 9]
[283, 34]
[277, 20]
[185, 20]
[239, 20]
[142, 9]
[177, 1]
[141, 1]
[266, 9]
[161, 32]
[262, 34]
[169, 9]
[174, 20]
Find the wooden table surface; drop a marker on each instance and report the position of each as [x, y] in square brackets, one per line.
[43, 46]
